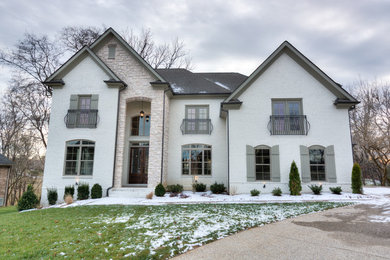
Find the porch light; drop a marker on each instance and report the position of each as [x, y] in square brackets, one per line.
[142, 113]
[147, 118]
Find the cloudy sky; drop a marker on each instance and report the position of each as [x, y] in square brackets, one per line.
[347, 39]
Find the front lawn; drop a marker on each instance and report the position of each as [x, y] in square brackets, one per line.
[143, 232]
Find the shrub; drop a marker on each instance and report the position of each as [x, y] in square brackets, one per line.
[69, 190]
[176, 188]
[96, 191]
[68, 199]
[277, 192]
[357, 186]
[149, 196]
[159, 191]
[52, 196]
[28, 200]
[83, 191]
[217, 188]
[295, 181]
[255, 192]
[336, 190]
[316, 189]
[199, 187]
[173, 194]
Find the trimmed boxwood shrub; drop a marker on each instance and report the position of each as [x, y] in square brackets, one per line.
[277, 192]
[52, 196]
[28, 200]
[96, 191]
[336, 190]
[83, 191]
[176, 188]
[159, 191]
[217, 188]
[199, 187]
[69, 190]
[357, 186]
[295, 181]
[316, 189]
[255, 192]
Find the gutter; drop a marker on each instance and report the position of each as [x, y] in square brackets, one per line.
[116, 139]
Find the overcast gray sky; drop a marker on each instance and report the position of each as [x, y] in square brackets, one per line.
[346, 39]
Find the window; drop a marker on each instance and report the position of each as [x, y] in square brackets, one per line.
[263, 163]
[83, 111]
[111, 51]
[197, 120]
[196, 159]
[287, 117]
[84, 106]
[140, 126]
[79, 157]
[317, 163]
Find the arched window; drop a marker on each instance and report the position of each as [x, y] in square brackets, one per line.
[196, 159]
[263, 163]
[79, 157]
[140, 126]
[317, 163]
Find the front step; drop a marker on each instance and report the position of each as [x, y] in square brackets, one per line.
[131, 192]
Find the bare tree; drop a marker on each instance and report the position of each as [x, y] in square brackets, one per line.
[73, 38]
[370, 125]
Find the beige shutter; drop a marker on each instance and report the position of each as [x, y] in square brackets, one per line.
[94, 101]
[330, 164]
[74, 102]
[275, 164]
[305, 164]
[250, 163]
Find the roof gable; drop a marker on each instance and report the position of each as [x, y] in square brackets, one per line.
[129, 48]
[303, 61]
[4, 161]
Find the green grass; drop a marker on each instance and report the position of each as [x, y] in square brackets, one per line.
[142, 232]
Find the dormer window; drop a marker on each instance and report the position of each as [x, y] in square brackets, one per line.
[111, 51]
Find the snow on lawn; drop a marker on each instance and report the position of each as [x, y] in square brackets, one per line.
[164, 231]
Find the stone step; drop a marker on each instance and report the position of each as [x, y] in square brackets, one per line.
[130, 192]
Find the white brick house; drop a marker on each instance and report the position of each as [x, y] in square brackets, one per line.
[118, 122]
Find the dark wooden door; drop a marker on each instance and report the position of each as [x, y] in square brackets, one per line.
[138, 170]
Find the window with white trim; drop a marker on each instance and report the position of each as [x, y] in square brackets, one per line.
[196, 159]
[317, 163]
[263, 163]
[79, 157]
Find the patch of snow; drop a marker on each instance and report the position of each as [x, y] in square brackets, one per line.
[203, 91]
[176, 88]
[222, 85]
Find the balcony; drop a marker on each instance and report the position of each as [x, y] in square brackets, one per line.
[196, 126]
[288, 125]
[81, 118]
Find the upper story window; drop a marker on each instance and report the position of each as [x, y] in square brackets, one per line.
[196, 159]
[196, 120]
[79, 157]
[263, 163]
[111, 51]
[317, 163]
[140, 125]
[83, 111]
[287, 118]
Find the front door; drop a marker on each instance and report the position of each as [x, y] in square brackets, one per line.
[138, 168]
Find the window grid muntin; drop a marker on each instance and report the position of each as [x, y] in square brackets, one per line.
[197, 112]
[263, 164]
[79, 163]
[190, 167]
[317, 165]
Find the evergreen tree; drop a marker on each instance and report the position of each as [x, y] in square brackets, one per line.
[295, 180]
[28, 200]
[357, 186]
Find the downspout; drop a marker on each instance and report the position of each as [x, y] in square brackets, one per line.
[162, 139]
[116, 139]
[350, 131]
[228, 150]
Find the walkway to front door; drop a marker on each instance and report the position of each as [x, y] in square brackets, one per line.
[139, 157]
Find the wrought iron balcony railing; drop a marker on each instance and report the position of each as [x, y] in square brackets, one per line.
[81, 118]
[288, 125]
[196, 126]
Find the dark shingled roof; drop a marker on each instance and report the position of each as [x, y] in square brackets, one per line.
[184, 82]
[4, 160]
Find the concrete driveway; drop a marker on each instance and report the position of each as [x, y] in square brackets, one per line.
[356, 232]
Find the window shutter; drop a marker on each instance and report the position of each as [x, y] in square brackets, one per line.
[94, 101]
[305, 164]
[275, 164]
[250, 163]
[330, 164]
[74, 102]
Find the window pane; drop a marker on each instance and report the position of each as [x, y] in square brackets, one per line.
[75, 142]
[196, 168]
[84, 102]
[207, 155]
[203, 112]
[147, 126]
[88, 142]
[186, 168]
[196, 156]
[135, 125]
[71, 168]
[278, 108]
[207, 168]
[72, 153]
[185, 156]
[87, 153]
[86, 168]
[294, 107]
[316, 156]
[191, 113]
